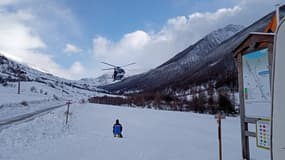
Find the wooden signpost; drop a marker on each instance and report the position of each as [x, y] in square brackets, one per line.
[219, 118]
[67, 111]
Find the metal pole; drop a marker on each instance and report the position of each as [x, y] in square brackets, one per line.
[220, 136]
[19, 86]
[67, 112]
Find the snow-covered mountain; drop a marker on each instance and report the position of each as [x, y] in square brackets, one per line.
[13, 71]
[211, 58]
[204, 46]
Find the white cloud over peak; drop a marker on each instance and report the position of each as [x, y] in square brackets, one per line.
[150, 49]
[71, 49]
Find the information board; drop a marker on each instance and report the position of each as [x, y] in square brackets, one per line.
[256, 84]
[263, 131]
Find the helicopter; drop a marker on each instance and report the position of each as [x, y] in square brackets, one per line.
[119, 72]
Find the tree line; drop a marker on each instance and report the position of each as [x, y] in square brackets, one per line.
[209, 100]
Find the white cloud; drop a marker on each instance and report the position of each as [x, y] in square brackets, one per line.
[101, 45]
[71, 49]
[7, 2]
[150, 49]
[20, 41]
[77, 68]
[15, 34]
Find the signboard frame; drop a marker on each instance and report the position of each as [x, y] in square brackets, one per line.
[254, 42]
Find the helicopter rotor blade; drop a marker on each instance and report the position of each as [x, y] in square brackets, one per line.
[128, 64]
[107, 69]
[108, 64]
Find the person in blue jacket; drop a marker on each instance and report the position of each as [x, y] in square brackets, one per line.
[117, 129]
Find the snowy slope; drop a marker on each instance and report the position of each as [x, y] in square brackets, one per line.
[148, 135]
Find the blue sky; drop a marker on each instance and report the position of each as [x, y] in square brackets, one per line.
[114, 18]
[70, 38]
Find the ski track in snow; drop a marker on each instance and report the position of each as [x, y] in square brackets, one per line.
[26, 117]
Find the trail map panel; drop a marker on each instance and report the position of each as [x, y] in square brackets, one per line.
[256, 83]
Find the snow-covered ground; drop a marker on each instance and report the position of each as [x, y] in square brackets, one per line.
[148, 135]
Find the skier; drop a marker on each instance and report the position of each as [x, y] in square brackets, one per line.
[117, 129]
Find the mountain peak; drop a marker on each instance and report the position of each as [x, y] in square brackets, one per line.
[234, 27]
[224, 33]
